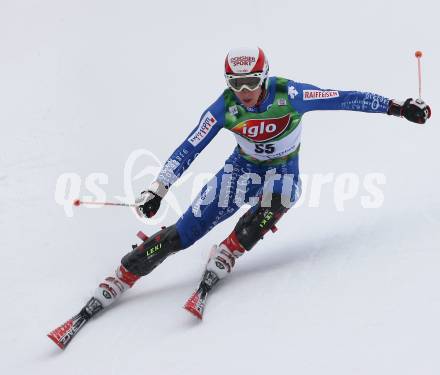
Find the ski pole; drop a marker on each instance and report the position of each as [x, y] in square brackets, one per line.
[78, 202]
[419, 55]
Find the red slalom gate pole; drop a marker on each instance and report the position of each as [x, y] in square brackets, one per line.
[78, 202]
[419, 55]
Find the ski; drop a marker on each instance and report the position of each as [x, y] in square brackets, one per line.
[197, 302]
[63, 335]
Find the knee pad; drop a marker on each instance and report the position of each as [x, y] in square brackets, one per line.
[152, 252]
[254, 224]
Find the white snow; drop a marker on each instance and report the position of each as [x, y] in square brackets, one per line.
[85, 83]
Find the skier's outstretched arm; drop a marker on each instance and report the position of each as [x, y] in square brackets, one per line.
[305, 98]
[210, 123]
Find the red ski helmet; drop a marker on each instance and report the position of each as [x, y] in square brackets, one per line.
[246, 68]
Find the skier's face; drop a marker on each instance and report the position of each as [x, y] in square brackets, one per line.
[249, 98]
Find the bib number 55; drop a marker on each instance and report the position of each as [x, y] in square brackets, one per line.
[266, 148]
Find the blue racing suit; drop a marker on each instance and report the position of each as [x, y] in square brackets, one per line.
[266, 146]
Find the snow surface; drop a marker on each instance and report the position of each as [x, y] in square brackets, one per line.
[85, 83]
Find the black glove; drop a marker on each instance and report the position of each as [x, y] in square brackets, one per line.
[413, 110]
[148, 204]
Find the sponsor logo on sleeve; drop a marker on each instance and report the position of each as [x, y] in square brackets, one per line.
[206, 124]
[320, 94]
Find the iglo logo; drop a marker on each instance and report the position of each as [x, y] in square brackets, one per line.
[262, 130]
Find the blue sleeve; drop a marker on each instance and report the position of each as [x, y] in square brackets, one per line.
[304, 98]
[210, 123]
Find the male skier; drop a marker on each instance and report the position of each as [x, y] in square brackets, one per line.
[264, 113]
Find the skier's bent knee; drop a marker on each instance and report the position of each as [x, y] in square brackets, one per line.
[148, 255]
[255, 223]
[251, 227]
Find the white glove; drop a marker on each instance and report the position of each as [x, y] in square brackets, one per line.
[148, 202]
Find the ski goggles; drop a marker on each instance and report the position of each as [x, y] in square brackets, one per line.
[250, 81]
